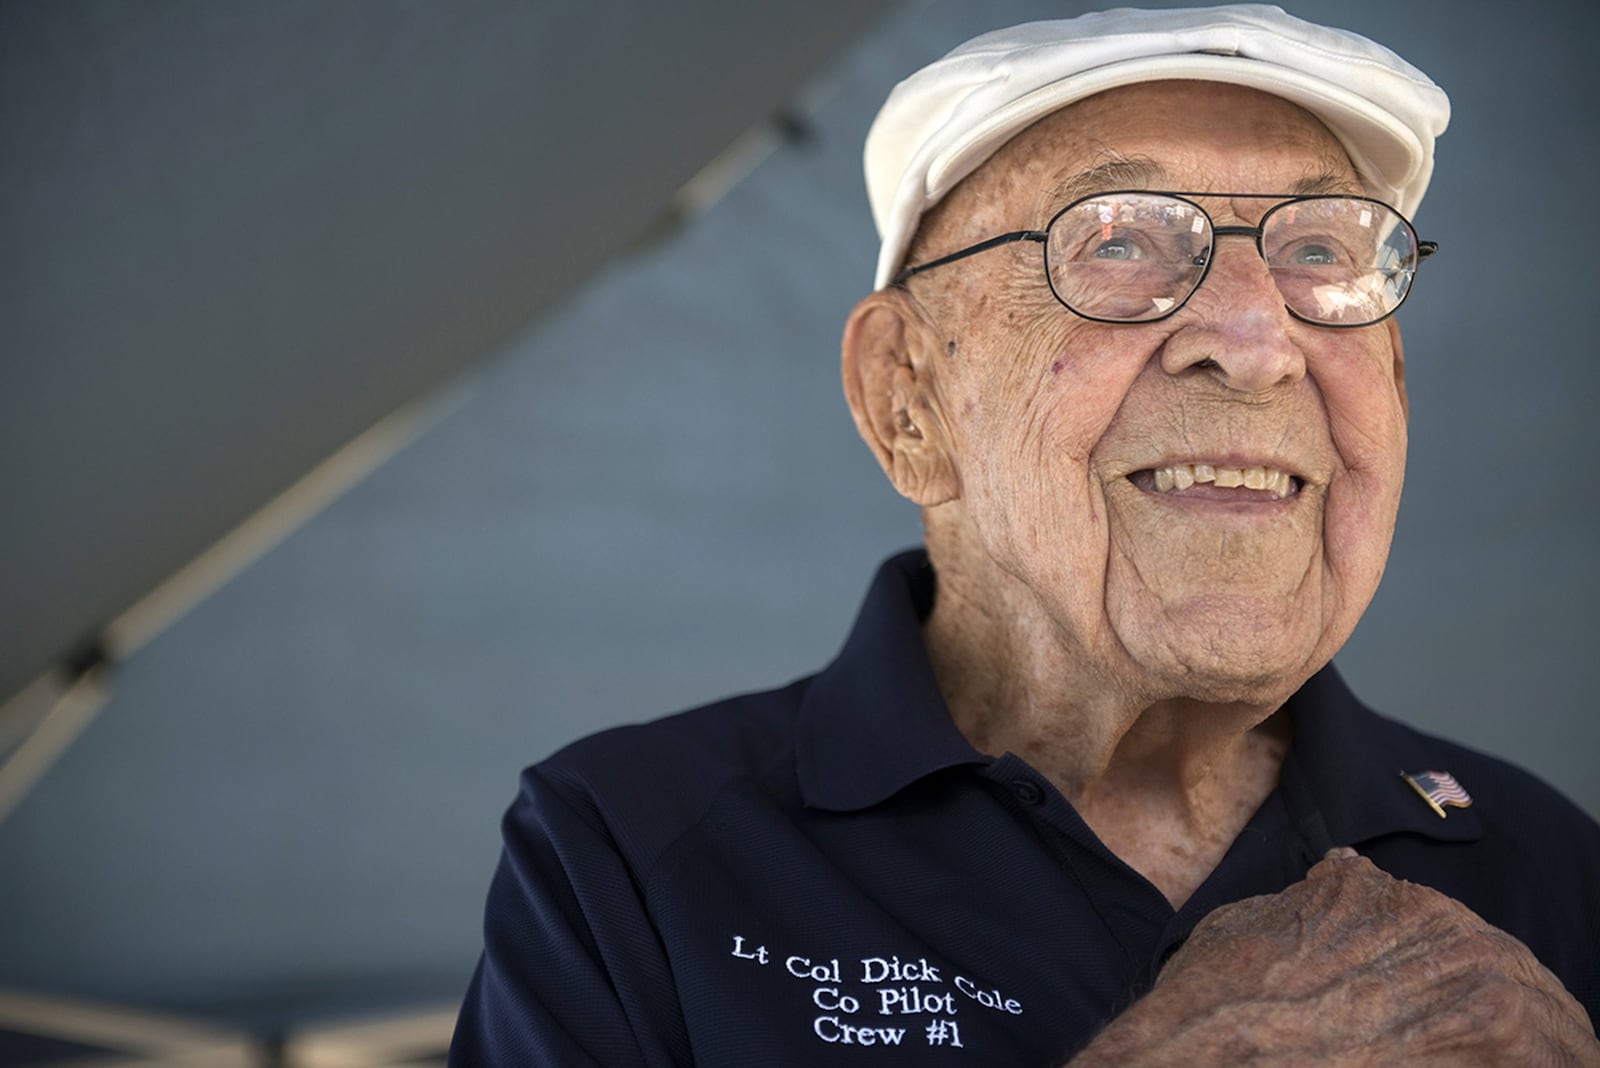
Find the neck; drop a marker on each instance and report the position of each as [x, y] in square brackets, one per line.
[1166, 782]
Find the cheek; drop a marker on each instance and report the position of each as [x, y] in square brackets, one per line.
[1038, 408]
[1029, 435]
[1368, 428]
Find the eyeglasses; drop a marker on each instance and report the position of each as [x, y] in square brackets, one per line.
[1136, 256]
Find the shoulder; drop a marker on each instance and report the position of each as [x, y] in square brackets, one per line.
[729, 737]
[1518, 810]
[645, 784]
[1356, 761]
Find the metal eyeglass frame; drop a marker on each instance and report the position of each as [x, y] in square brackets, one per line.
[1424, 248]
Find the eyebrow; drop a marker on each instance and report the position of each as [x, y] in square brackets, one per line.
[1131, 173]
[1122, 172]
[1327, 181]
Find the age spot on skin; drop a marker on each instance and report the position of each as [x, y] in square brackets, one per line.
[1056, 365]
[950, 348]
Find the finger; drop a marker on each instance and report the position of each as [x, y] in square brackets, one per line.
[1343, 860]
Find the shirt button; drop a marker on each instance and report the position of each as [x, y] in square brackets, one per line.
[1027, 791]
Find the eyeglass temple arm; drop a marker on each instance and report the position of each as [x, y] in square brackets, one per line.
[982, 246]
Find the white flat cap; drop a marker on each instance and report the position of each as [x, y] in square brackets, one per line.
[940, 124]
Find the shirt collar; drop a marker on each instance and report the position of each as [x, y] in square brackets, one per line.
[1349, 760]
[873, 721]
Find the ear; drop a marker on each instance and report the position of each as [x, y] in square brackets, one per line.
[1399, 366]
[888, 381]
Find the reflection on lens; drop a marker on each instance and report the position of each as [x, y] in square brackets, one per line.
[1339, 261]
[1133, 257]
[1127, 257]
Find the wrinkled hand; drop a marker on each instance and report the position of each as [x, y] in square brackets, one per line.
[1350, 967]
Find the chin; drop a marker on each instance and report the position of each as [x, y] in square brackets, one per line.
[1237, 685]
[1246, 655]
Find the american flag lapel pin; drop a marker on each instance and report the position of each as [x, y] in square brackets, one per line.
[1438, 789]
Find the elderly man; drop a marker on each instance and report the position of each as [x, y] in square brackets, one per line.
[1081, 785]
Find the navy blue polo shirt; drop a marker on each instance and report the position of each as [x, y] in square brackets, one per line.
[830, 874]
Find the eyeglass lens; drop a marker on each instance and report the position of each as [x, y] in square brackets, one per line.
[1136, 257]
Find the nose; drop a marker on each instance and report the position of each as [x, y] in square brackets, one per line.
[1236, 325]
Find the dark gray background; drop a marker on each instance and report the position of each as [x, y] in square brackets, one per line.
[236, 234]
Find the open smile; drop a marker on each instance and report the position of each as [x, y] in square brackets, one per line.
[1203, 481]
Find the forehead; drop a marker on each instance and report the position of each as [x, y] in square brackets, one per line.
[1193, 136]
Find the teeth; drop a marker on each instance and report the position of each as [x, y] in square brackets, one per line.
[1182, 476]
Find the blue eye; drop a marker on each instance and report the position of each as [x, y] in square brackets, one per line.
[1313, 256]
[1119, 248]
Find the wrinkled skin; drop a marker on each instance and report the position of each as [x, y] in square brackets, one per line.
[1018, 423]
[1135, 647]
[1350, 968]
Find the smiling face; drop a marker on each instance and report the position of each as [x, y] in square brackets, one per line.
[1198, 507]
